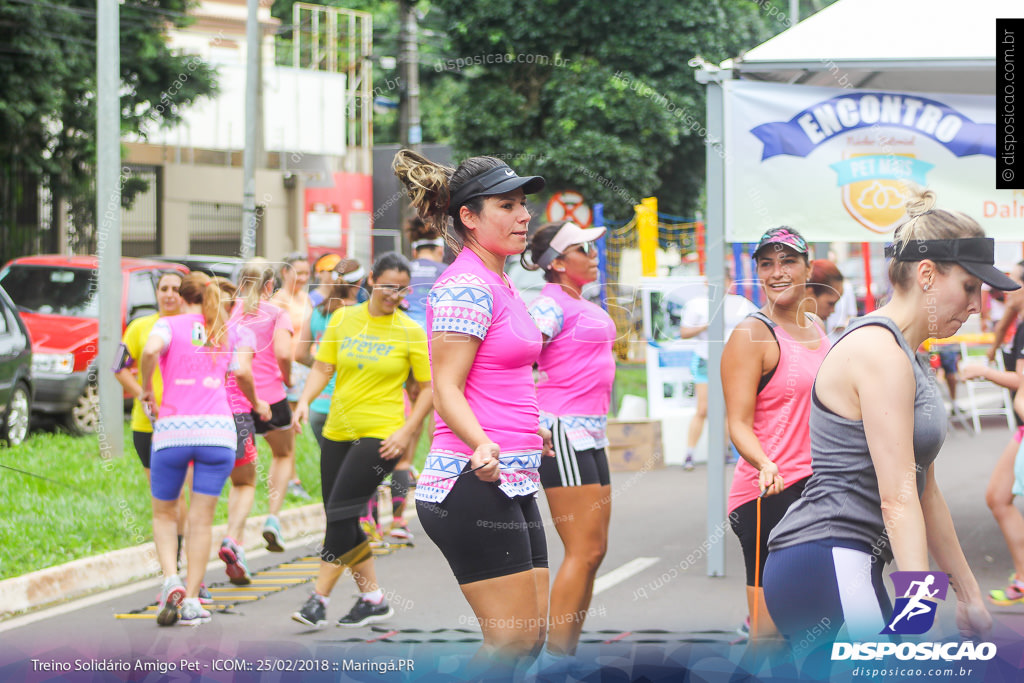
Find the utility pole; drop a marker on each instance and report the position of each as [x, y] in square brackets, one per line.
[713, 79]
[410, 132]
[252, 75]
[108, 222]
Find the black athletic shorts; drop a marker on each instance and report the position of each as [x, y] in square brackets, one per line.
[483, 533]
[1010, 363]
[143, 446]
[280, 418]
[744, 523]
[245, 439]
[570, 467]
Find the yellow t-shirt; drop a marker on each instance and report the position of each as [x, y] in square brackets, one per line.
[134, 339]
[373, 356]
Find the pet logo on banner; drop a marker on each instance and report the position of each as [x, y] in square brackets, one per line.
[876, 162]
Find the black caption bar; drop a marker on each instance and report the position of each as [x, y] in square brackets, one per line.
[1009, 137]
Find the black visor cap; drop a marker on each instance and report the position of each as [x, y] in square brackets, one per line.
[499, 180]
[976, 255]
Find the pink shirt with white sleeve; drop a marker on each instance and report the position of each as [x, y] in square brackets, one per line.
[577, 368]
[471, 299]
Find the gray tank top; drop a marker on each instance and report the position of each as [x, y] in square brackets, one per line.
[841, 503]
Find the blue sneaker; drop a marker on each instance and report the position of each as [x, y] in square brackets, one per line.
[272, 534]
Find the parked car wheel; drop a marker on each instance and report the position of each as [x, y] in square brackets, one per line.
[84, 417]
[19, 410]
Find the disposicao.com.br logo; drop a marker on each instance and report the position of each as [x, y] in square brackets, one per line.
[917, 599]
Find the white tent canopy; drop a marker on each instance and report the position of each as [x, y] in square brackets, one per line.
[919, 45]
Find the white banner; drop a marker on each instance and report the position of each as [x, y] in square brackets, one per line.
[830, 162]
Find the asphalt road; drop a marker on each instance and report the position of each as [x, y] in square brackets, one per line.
[655, 613]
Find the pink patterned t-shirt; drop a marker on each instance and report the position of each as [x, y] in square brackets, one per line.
[194, 409]
[265, 371]
[471, 299]
[576, 367]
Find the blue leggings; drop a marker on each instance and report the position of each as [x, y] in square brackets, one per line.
[813, 588]
[213, 465]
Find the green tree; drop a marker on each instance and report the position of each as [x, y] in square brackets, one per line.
[595, 96]
[48, 104]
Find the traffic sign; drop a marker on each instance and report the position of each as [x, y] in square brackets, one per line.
[568, 205]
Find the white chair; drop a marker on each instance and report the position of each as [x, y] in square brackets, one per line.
[982, 393]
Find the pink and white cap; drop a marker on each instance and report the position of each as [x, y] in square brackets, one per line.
[569, 235]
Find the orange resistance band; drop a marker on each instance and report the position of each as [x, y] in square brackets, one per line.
[757, 573]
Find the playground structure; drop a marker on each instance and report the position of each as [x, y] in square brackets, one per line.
[649, 231]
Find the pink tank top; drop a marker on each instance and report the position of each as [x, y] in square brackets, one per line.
[782, 416]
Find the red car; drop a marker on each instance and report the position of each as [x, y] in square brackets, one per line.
[56, 298]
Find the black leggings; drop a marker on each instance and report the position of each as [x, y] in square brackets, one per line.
[143, 446]
[350, 472]
[744, 523]
[482, 532]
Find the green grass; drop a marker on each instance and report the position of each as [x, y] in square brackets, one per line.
[65, 502]
[85, 505]
[630, 378]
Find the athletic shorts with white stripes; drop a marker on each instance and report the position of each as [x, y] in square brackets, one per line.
[570, 467]
[815, 587]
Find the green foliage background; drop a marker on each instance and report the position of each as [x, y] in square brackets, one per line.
[596, 96]
[48, 102]
[616, 113]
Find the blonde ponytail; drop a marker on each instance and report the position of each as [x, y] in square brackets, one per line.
[252, 279]
[199, 288]
[218, 295]
[924, 222]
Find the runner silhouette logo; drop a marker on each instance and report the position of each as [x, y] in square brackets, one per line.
[917, 599]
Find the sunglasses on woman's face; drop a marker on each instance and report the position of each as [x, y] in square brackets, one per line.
[588, 248]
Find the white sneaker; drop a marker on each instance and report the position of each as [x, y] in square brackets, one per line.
[193, 614]
[170, 597]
